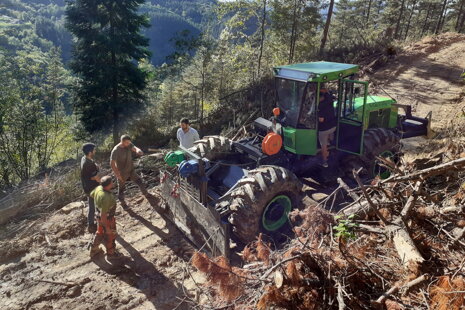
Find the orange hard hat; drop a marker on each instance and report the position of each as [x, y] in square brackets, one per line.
[272, 143]
[276, 111]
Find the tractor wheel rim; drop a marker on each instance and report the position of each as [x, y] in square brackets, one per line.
[276, 213]
[380, 171]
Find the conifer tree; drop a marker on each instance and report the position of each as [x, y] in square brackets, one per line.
[108, 44]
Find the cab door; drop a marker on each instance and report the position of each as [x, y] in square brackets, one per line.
[350, 115]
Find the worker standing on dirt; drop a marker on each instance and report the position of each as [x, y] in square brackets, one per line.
[327, 124]
[106, 208]
[122, 166]
[90, 180]
[186, 134]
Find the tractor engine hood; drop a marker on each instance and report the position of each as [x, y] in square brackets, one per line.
[263, 126]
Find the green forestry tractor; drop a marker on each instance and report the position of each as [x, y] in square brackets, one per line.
[222, 190]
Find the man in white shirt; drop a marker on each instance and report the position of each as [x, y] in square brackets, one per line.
[186, 134]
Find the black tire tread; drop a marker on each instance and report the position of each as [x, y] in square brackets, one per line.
[375, 142]
[253, 194]
[212, 147]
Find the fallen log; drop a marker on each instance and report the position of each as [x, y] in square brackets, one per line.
[352, 195]
[410, 202]
[405, 247]
[428, 172]
[380, 301]
[68, 284]
[459, 235]
[389, 164]
[368, 198]
[340, 298]
[242, 127]
[403, 243]
[359, 210]
[370, 229]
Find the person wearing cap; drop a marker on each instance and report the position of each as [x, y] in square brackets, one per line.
[327, 123]
[105, 203]
[123, 168]
[90, 180]
[186, 135]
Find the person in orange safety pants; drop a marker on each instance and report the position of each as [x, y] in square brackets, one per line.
[105, 204]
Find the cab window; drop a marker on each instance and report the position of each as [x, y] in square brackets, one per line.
[289, 94]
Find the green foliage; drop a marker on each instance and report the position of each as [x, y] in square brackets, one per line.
[44, 21]
[33, 25]
[295, 25]
[108, 43]
[33, 125]
[345, 227]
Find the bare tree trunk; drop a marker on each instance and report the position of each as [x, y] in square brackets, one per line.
[462, 23]
[459, 15]
[114, 84]
[441, 16]
[368, 11]
[327, 24]
[414, 3]
[170, 107]
[428, 11]
[116, 125]
[202, 98]
[341, 34]
[262, 38]
[196, 108]
[401, 13]
[293, 32]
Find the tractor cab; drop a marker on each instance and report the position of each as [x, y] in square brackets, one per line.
[298, 89]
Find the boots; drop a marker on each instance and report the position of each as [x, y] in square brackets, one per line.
[92, 228]
[94, 251]
[123, 203]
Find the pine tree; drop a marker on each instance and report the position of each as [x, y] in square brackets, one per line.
[327, 24]
[108, 44]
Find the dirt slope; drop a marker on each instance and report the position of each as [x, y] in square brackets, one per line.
[426, 75]
[151, 277]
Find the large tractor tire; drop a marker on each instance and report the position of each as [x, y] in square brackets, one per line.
[377, 142]
[262, 201]
[212, 147]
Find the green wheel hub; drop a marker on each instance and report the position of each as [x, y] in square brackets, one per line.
[383, 172]
[276, 213]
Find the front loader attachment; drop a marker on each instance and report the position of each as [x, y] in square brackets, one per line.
[199, 222]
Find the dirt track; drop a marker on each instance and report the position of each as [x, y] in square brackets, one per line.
[154, 274]
[151, 277]
[427, 76]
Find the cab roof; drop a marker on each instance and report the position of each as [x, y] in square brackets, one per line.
[319, 71]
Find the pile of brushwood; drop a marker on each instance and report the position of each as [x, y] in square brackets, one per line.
[398, 245]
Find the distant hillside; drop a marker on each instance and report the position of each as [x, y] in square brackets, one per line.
[37, 25]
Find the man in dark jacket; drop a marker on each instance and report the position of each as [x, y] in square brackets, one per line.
[90, 180]
[327, 123]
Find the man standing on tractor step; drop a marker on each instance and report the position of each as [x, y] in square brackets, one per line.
[186, 134]
[327, 123]
[90, 180]
[122, 166]
[106, 229]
